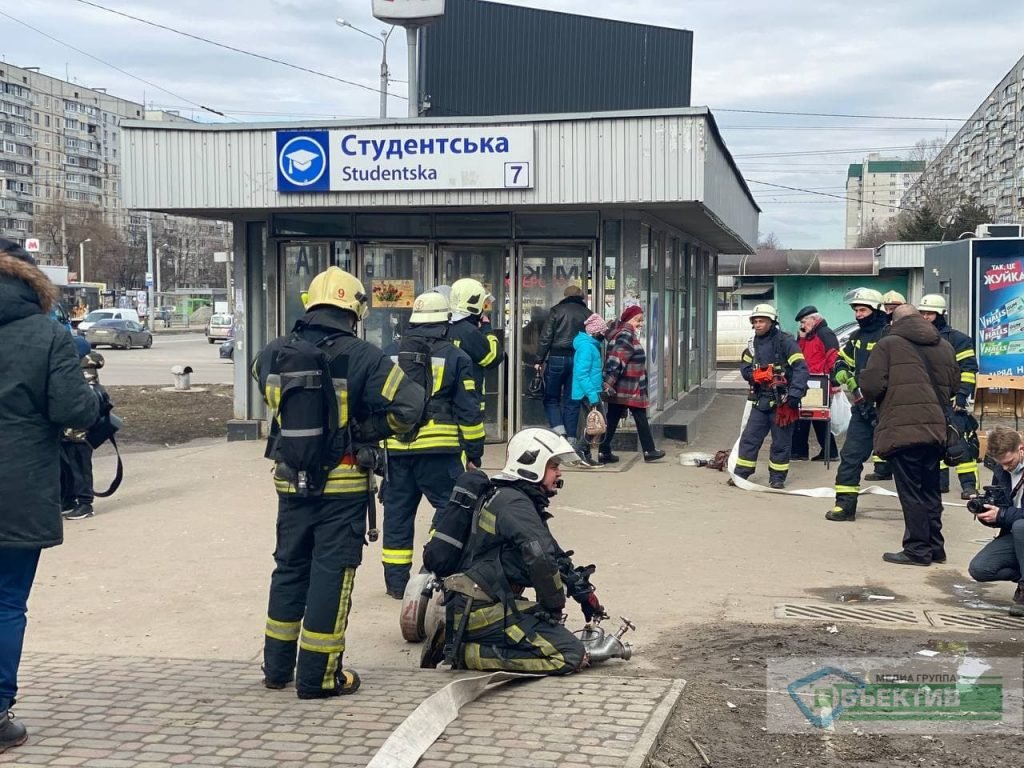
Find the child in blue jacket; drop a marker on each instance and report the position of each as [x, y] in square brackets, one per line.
[587, 377]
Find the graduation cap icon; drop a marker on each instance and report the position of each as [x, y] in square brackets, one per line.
[301, 160]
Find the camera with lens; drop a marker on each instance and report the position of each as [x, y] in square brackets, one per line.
[993, 496]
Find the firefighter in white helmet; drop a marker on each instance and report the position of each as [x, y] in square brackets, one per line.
[867, 306]
[776, 371]
[933, 308]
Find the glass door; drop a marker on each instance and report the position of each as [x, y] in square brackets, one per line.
[394, 275]
[298, 264]
[543, 274]
[489, 264]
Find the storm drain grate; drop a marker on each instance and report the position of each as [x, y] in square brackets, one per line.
[974, 620]
[864, 615]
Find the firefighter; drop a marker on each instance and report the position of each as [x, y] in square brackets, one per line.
[933, 309]
[320, 535]
[471, 332]
[451, 427]
[776, 370]
[511, 548]
[872, 321]
[882, 470]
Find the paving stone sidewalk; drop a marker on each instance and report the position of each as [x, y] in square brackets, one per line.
[129, 712]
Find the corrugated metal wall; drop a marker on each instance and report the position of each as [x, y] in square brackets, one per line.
[492, 59]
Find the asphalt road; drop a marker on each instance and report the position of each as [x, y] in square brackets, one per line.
[153, 366]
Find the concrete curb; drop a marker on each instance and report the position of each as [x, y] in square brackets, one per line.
[651, 735]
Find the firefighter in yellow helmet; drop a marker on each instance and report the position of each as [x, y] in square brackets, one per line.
[451, 426]
[891, 300]
[471, 331]
[776, 371]
[331, 398]
[933, 308]
[867, 306]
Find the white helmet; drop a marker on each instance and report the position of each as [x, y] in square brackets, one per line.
[529, 452]
[933, 302]
[468, 297]
[444, 290]
[864, 297]
[894, 297]
[430, 307]
[764, 310]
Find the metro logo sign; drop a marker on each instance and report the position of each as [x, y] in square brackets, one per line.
[407, 12]
[1001, 275]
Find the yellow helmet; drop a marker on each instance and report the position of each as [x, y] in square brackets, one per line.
[764, 310]
[430, 307]
[933, 302]
[337, 288]
[864, 297]
[468, 296]
[894, 297]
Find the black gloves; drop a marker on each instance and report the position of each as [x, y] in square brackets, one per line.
[793, 402]
[592, 608]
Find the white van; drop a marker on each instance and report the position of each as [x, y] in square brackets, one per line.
[734, 333]
[107, 314]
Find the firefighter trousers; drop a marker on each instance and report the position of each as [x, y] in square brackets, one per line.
[410, 478]
[759, 424]
[856, 450]
[500, 640]
[319, 546]
[967, 473]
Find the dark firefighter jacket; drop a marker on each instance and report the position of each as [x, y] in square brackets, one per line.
[963, 346]
[853, 357]
[513, 547]
[455, 423]
[896, 379]
[565, 321]
[775, 348]
[42, 391]
[482, 345]
[376, 399]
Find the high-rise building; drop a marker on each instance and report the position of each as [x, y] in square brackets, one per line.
[60, 156]
[985, 159]
[874, 190]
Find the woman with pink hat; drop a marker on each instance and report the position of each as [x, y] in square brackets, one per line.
[625, 385]
[587, 375]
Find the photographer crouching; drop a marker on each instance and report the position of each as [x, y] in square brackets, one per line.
[1001, 506]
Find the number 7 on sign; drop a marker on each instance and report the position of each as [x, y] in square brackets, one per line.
[517, 175]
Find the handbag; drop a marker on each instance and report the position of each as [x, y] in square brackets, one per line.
[535, 390]
[596, 425]
[961, 427]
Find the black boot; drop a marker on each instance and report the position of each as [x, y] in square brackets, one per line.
[845, 510]
[12, 733]
[654, 455]
[607, 457]
[776, 481]
[346, 682]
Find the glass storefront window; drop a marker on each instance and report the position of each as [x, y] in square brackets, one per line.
[612, 250]
[393, 275]
[300, 263]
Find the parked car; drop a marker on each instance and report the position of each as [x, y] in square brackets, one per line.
[220, 328]
[123, 334]
[110, 313]
[227, 350]
[844, 331]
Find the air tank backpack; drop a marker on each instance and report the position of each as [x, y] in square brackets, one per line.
[306, 438]
[414, 358]
[443, 553]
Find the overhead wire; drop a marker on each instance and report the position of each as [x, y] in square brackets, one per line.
[235, 49]
[112, 66]
[827, 194]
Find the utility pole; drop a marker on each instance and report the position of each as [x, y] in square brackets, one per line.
[149, 270]
[414, 75]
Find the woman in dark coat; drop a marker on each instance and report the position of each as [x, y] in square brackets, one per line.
[625, 385]
[42, 390]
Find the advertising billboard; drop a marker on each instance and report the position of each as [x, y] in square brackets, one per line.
[999, 336]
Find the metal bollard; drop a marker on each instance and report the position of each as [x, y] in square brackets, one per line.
[182, 374]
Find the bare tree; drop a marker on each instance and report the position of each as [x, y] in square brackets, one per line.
[62, 226]
[876, 234]
[926, 149]
[769, 242]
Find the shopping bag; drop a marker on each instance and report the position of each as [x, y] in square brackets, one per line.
[841, 413]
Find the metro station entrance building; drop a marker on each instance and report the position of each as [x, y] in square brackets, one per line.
[632, 207]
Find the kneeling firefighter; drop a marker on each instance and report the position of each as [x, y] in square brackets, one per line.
[509, 548]
[452, 425]
[776, 371]
[332, 398]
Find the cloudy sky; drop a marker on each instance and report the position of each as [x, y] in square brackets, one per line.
[915, 58]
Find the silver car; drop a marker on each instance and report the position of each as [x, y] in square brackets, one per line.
[118, 334]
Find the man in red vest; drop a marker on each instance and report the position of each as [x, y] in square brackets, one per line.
[820, 348]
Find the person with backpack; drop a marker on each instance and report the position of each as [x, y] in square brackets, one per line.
[509, 548]
[776, 371]
[471, 332]
[428, 460]
[332, 397]
[588, 376]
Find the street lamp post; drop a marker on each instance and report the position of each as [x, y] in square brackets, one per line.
[81, 259]
[385, 73]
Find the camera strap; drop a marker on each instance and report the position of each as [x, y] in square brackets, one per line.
[118, 474]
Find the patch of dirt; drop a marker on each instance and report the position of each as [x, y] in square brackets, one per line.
[154, 418]
[728, 662]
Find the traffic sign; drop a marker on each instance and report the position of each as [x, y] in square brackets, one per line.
[149, 279]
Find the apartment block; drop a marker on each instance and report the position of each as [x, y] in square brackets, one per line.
[874, 191]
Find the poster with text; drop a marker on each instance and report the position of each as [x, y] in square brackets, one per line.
[1000, 331]
[395, 294]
